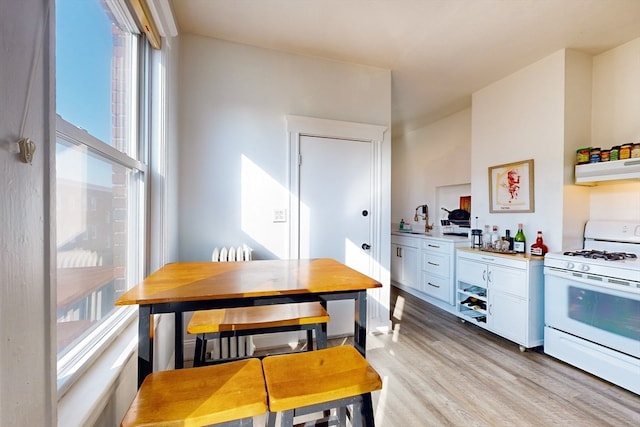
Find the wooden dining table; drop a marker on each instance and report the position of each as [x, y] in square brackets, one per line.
[188, 286]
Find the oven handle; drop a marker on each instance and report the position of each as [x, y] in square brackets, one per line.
[621, 285]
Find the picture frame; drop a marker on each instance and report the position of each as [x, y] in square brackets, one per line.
[511, 187]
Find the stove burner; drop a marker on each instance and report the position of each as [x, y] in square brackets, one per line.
[608, 256]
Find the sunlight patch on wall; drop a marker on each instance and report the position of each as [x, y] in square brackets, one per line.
[261, 196]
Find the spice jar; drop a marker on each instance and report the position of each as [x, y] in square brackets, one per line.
[583, 155]
[625, 151]
[635, 150]
[614, 153]
[604, 155]
[595, 155]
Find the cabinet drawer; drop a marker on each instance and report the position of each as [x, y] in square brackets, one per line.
[471, 272]
[435, 263]
[436, 246]
[413, 242]
[437, 287]
[508, 280]
[513, 261]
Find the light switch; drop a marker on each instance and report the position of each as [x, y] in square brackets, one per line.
[279, 215]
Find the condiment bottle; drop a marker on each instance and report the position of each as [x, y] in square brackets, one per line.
[583, 155]
[625, 151]
[635, 150]
[519, 241]
[539, 248]
[613, 154]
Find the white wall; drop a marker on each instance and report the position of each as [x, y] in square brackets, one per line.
[233, 140]
[27, 312]
[577, 134]
[433, 156]
[616, 109]
[517, 118]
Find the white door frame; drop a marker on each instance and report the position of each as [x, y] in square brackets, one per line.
[299, 126]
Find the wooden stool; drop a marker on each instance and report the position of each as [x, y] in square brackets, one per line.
[304, 383]
[228, 394]
[243, 321]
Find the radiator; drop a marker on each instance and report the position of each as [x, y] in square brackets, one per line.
[224, 348]
[224, 254]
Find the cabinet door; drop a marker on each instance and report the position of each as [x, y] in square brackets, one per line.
[471, 272]
[411, 258]
[508, 316]
[404, 265]
[509, 280]
[396, 263]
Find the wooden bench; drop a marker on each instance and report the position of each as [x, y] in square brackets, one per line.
[235, 322]
[228, 394]
[310, 382]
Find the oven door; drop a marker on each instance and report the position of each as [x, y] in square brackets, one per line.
[602, 313]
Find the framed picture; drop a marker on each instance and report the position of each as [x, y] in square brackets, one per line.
[511, 187]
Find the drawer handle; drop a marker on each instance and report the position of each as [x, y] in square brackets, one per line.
[433, 263]
[431, 284]
[433, 246]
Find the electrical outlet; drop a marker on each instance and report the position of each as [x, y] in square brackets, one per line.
[279, 215]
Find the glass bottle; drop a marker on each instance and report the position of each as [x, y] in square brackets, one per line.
[486, 238]
[495, 236]
[508, 238]
[519, 241]
[539, 248]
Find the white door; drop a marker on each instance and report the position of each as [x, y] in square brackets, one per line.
[335, 210]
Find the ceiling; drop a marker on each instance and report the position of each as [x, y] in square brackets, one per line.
[439, 51]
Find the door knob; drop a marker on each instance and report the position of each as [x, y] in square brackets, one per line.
[365, 212]
[366, 246]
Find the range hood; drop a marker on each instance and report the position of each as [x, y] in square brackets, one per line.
[592, 173]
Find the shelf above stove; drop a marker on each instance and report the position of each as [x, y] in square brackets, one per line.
[608, 172]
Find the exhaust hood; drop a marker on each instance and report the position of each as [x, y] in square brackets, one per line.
[592, 173]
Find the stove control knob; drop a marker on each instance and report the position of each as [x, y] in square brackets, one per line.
[570, 265]
[584, 267]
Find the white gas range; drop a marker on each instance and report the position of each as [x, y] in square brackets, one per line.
[592, 303]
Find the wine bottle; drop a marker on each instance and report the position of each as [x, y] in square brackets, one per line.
[519, 241]
[539, 248]
[508, 238]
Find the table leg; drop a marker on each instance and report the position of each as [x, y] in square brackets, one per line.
[360, 332]
[323, 325]
[179, 341]
[145, 343]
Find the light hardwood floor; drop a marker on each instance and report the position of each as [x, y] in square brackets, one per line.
[438, 371]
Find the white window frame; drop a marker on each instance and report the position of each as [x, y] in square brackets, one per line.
[72, 365]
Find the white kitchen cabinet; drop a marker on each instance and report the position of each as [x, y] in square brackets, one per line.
[425, 266]
[502, 293]
[404, 260]
[438, 268]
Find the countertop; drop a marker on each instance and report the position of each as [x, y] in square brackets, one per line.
[528, 257]
[436, 235]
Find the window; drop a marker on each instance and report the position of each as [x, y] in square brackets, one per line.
[99, 175]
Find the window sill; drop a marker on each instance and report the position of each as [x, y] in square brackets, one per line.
[85, 400]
